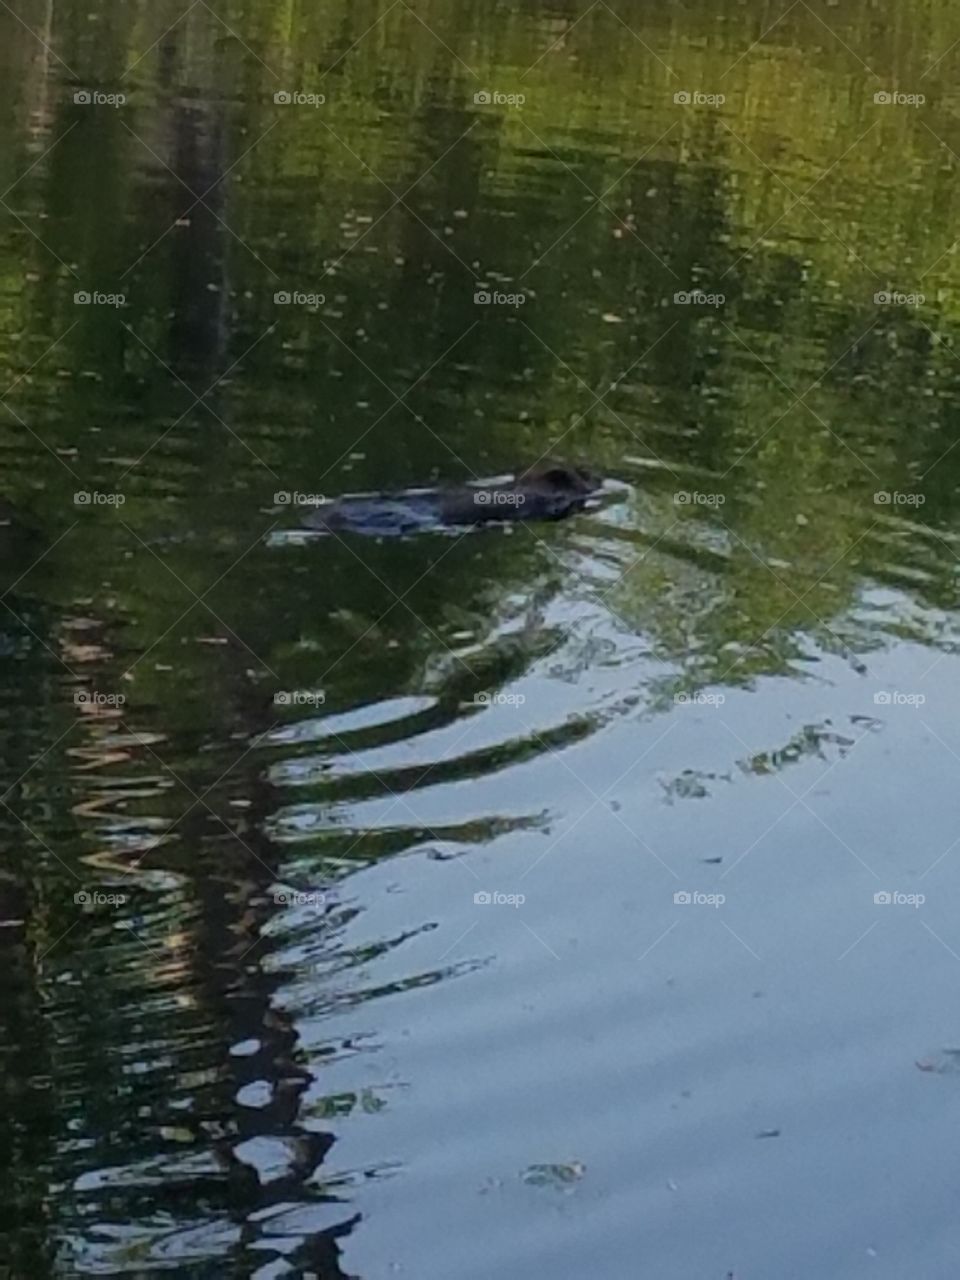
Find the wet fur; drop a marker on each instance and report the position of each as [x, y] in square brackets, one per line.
[547, 491]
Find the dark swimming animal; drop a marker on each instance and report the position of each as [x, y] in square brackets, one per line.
[546, 491]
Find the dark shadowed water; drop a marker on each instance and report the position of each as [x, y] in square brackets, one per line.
[571, 900]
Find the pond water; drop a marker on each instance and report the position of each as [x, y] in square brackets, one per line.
[576, 899]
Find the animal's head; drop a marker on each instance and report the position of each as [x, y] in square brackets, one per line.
[560, 479]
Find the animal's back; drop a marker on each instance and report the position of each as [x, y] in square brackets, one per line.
[378, 515]
[544, 492]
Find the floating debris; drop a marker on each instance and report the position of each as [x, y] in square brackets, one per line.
[559, 1176]
[810, 741]
[691, 784]
[946, 1063]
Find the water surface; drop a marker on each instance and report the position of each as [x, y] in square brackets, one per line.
[577, 899]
